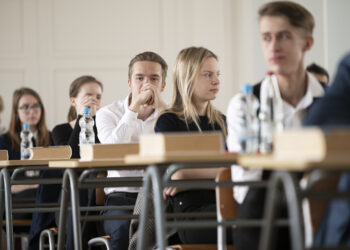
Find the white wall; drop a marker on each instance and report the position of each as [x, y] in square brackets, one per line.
[46, 44]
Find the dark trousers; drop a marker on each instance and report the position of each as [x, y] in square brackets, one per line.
[197, 201]
[118, 230]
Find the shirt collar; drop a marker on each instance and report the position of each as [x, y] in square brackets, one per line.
[314, 90]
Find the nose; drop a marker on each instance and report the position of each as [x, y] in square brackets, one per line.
[274, 45]
[215, 80]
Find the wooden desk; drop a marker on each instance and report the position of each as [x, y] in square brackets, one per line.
[270, 163]
[18, 163]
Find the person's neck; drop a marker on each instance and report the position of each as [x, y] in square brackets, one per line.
[32, 129]
[293, 86]
[72, 123]
[201, 108]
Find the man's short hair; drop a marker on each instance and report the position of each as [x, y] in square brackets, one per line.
[152, 57]
[317, 69]
[296, 14]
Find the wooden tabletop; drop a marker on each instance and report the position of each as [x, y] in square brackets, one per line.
[295, 164]
[180, 158]
[9, 163]
[94, 163]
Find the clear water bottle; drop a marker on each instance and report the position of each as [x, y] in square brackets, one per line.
[266, 115]
[26, 142]
[248, 134]
[86, 123]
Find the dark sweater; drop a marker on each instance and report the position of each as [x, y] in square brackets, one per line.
[63, 134]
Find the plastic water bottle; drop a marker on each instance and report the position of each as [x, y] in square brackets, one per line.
[86, 123]
[248, 134]
[26, 142]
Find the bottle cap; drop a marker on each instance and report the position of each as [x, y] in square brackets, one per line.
[86, 111]
[246, 88]
[25, 126]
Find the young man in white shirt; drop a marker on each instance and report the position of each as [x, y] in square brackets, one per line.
[286, 35]
[123, 122]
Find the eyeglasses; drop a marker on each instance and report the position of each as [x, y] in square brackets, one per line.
[27, 107]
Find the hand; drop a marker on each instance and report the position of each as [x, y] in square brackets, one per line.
[144, 98]
[171, 191]
[157, 101]
[88, 102]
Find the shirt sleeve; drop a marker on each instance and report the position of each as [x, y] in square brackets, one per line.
[114, 129]
[238, 172]
[232, 125]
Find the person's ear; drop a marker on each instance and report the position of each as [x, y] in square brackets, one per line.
[72, 101]
[309, 43]
[163, 85]
[129, 84]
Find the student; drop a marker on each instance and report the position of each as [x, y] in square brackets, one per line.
[123, 122]
[286, 35]
[85, 91]
[27, 107]
[334, 111]
[196, 84]
[2, 128]
[318, 72]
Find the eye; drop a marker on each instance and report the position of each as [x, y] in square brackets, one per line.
[283, 36]
[98, 97]
[266, 38]
[154, 79]
[139, 78]
[208, 75]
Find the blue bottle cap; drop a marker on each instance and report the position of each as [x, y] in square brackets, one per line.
[86, 111]
[246, 88]
[25, 126]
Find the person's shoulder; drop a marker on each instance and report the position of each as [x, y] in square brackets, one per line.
[5, 141]
[168, 116]
[115, 108]
[61, 127]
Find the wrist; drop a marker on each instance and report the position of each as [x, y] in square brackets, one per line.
[134, 107]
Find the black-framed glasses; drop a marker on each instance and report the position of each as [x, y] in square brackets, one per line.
[26, 107]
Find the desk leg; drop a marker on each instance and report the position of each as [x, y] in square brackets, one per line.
[152, 177]
[69, 178]
[289, 183]
[8, 209]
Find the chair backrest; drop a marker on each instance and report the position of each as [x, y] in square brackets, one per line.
[4, 155]
[326, 182]
[224, 196]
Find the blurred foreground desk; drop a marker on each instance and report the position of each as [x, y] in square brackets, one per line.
[285, 175]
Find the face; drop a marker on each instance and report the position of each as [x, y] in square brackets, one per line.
[145, 72]
[283, 45]
[88, 93]
[29, 110]
[206, 84]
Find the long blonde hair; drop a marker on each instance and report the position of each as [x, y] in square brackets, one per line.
[186, 69]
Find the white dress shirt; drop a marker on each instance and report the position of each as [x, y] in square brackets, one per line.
[116, 123]
[292, 118]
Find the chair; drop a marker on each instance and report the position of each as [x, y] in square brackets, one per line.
[314, 209]
[226, 210]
